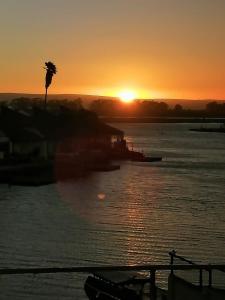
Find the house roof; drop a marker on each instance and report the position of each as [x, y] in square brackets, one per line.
[10, 117]
[94, 129]
[42, 124]
[24, 135]
[105, 128]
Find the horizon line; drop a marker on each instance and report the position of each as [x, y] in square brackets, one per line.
[104, 96]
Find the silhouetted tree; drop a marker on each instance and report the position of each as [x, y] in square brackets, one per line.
[50, 71]
[24, 103]
[178, 109]
[213, 107]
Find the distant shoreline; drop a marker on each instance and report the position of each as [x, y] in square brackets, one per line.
[196, 104]
[161, 120]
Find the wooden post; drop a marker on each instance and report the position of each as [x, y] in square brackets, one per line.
[152, 285]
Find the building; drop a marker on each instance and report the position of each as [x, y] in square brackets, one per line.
[43, 134]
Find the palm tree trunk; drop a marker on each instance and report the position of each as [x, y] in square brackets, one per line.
[46, 93]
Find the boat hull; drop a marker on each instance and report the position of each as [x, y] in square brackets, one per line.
[99, 289]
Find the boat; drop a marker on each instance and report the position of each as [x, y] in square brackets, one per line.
[120, 285]
[114, 285]
[120, 150]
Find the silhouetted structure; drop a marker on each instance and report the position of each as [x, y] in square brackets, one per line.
[38, 146]
[42, 133]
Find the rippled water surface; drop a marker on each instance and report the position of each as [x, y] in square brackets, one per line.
[129, 216]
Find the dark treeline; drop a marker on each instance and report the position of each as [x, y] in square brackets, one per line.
[146, 108]
[116, 108]
[24, 103]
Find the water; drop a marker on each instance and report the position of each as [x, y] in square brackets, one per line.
[130, 216]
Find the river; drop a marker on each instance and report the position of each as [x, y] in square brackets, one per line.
[129, 216]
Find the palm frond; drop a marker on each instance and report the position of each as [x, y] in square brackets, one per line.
[50, 67]
[50, 71]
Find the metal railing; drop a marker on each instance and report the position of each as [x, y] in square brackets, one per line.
[209, 268]
[150, 268]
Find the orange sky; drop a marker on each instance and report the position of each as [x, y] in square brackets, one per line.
[158, 48]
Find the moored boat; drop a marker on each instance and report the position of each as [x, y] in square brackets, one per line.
[114, 285]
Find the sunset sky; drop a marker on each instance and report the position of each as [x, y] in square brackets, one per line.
[156, 48]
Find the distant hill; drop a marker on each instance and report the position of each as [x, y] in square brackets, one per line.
[86, 99]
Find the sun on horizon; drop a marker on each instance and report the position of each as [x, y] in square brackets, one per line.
[127, 96]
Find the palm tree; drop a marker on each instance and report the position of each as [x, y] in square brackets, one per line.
[50, 71]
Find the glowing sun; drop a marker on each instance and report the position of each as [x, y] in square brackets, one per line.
[127, 96]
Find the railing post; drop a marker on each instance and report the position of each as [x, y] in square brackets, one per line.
[152, 285]
[172, 255]
[200, 278]
[210, 277]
